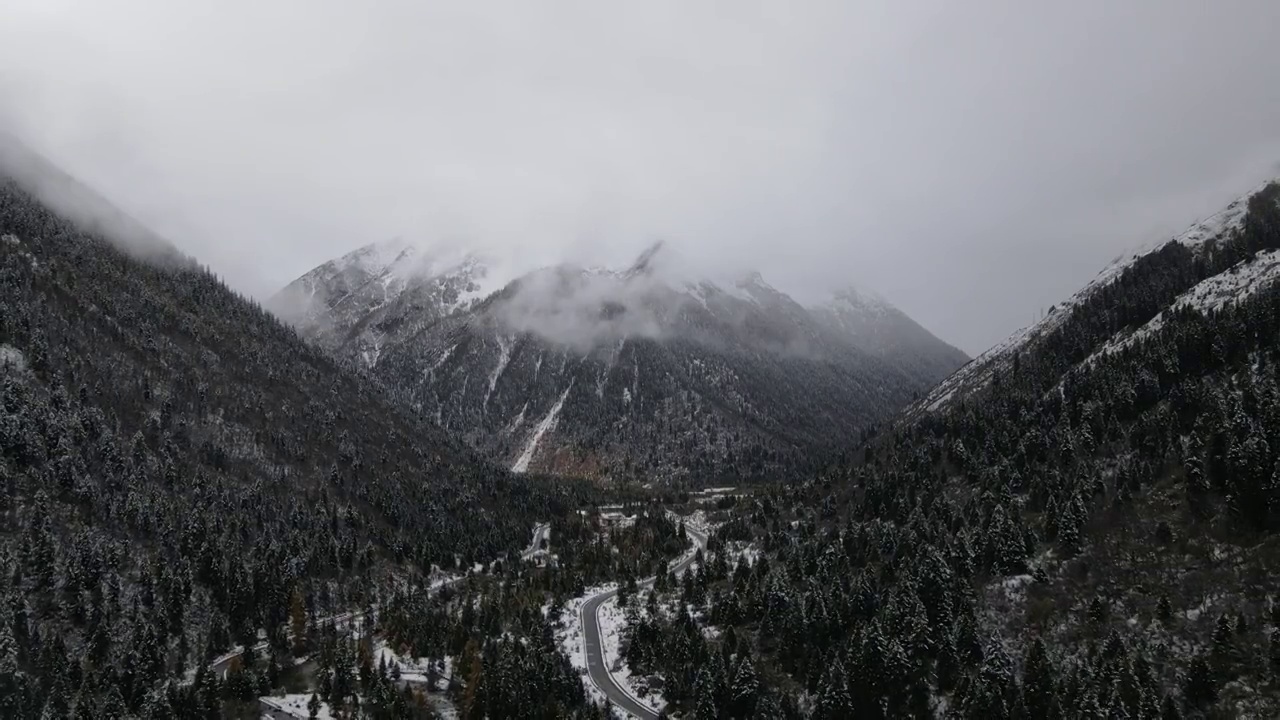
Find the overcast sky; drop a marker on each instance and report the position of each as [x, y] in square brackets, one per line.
[974, 162]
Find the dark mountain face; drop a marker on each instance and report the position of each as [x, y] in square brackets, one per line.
[1084, 522]
[177, 467]
[603, 373]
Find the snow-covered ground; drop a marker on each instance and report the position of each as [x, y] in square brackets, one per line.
[613, 626]
[1212, 294]
[570, 638]
[412, 670]
[740, 552]
[573, 644]
[617, 519]
[697, 520]
[296, 705]
[11, 358]
[547, 423]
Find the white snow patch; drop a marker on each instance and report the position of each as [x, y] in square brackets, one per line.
[617, 519]
[11, 358]
[738, 553]
[700, 291]
[474, 271]
[504, 356]
[1194, 613]
[608, 368]
[1015, 582]
[547, 423]
[613, 625]
[444, 356]
[1218, 224]
[695, 521]
[371, 356]
[295, 705]
[518, 421]
[1211, 294]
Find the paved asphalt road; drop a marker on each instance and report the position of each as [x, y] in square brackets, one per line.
[596, 666]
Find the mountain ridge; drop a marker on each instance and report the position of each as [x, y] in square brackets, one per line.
[1199, 237]
[717, 348]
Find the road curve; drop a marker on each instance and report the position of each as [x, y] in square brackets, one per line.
[593, 643]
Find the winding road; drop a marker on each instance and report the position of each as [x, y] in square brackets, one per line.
[597, 668]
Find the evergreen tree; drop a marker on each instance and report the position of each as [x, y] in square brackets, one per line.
[1200, 687]
[1039, 684]
[834, 700]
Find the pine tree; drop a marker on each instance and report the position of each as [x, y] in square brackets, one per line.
[1200, 688]
[1197, 484]
[1098, 612]
[1170, 709]
[993, 693]
[834, 702]
[1039, 684]
[744, 690]
[1222, 657]
[10, 675]
[1006, 549]
[947, 666]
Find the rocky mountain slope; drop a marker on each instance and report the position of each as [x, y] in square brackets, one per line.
[638, 372]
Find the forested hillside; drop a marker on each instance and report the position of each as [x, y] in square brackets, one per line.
[1092, 532]
[178, 469]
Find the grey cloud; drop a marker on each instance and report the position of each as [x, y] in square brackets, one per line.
[973, 162]
[581, 310]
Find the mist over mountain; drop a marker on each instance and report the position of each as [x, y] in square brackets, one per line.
[616, 372]
[413, 360]
[177, 467]
[1082, 523]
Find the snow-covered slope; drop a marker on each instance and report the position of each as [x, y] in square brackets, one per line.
[878, 328]
[381, 293]
[600, 372]
[1201, 238]
[1213, 293]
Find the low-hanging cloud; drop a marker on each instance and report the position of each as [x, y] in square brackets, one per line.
[580, 310]
[974, 162]
[80, 204]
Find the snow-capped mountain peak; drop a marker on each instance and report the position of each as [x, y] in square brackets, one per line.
[851, 300]
[394, 286]
[563, 367]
